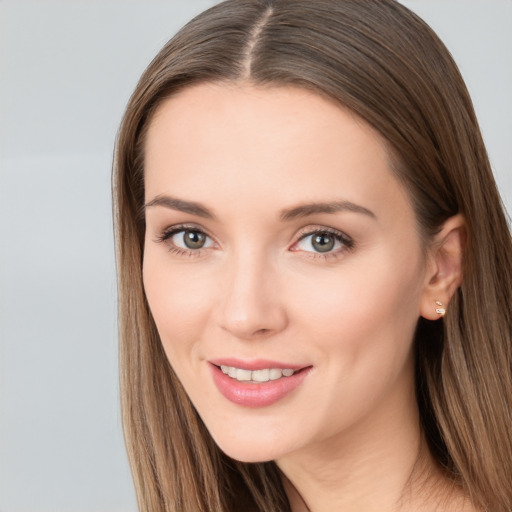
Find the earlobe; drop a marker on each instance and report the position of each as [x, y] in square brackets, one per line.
[444, 268]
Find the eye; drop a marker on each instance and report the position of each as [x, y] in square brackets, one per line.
[190, 239]
[323, 241]
[185, 240]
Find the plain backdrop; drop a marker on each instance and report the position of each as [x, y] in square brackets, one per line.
[67, 69]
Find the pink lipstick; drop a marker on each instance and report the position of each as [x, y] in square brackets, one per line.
[256, 383]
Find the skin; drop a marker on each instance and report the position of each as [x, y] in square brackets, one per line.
[349, 436]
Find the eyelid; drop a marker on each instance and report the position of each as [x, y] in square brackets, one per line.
[167, 233]
[346, 241]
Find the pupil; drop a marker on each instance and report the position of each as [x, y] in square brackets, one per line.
[323, 243]
[194, 239]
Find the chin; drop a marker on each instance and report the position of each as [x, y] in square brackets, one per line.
[250, 450]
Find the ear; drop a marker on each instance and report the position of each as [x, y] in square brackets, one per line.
[444, 268]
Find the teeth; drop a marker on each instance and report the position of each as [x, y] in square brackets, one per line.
[256, 375]
[261, 375]
[275, 373]
[243, 374]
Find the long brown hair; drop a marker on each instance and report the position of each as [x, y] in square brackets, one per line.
[383, 62]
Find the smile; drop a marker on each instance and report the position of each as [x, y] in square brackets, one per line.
[263, 375]
[259, 384]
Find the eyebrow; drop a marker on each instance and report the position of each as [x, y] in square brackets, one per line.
[181, 205]
[331, 207]
[303, 210]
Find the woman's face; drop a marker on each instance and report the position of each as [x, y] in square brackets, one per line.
[279, 242]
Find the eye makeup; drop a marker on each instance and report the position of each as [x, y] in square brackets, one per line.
[312, 241]
[193, 241]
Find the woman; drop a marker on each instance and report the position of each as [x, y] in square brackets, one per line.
[314, 270]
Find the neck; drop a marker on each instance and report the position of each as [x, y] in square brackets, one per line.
[381, 464]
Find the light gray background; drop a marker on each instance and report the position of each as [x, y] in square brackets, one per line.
[66, 71]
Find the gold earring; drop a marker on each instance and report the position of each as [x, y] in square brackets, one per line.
[440, 311]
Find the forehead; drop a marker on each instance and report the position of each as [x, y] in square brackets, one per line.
[257, 116]
[241, 141]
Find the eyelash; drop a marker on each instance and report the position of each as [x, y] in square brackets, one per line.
[346, 242]
[170, 232]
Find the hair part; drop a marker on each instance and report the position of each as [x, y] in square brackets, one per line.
[385, 64]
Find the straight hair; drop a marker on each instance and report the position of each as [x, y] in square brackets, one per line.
[385, 64]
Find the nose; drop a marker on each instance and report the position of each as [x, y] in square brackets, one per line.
[251, 304]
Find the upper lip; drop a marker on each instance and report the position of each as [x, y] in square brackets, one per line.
[255, 364]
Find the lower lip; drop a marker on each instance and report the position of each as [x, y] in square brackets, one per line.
[261, 394]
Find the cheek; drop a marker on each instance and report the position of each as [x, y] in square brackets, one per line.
[179, 302]
[359, 324]
[368, 308]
